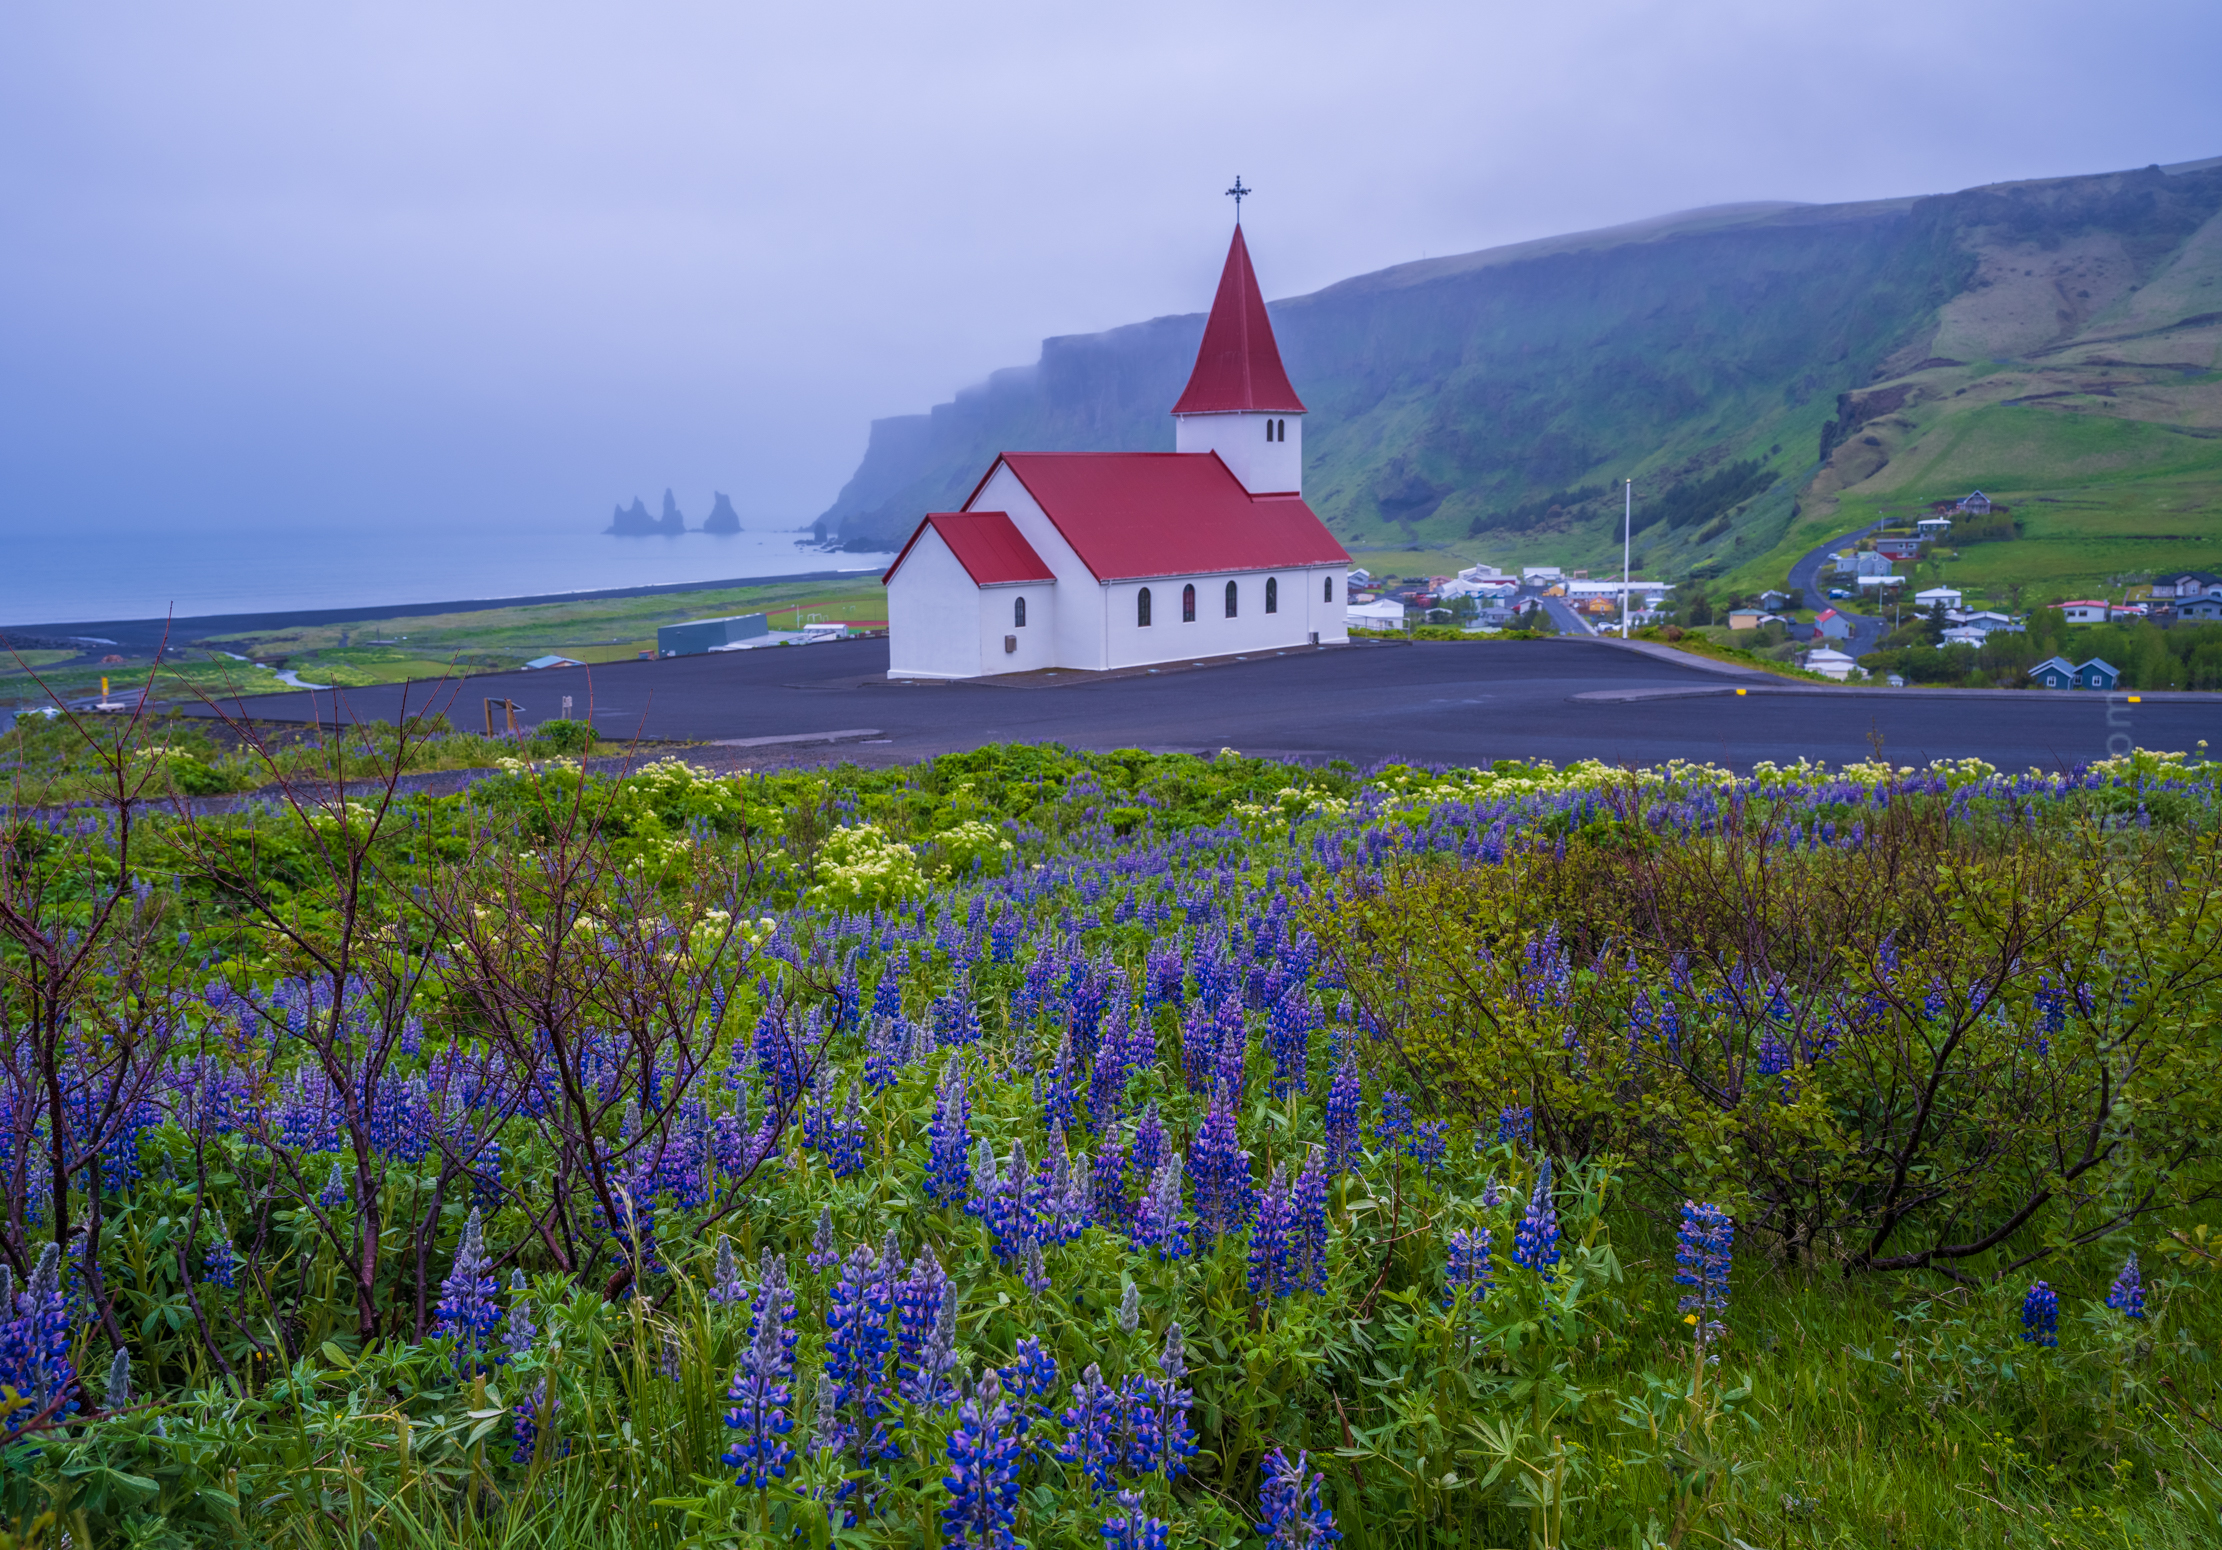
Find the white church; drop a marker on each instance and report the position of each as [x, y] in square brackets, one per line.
[1098, 560]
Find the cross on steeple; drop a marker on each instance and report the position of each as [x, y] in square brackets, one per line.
[1238, 193]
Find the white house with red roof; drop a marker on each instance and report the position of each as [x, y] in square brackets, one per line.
[1100, 560]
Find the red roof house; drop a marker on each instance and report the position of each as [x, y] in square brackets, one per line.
[1100, 560]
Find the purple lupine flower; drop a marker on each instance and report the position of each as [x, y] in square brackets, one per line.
[1165, 1440]
[1516, 1126]
[1273, 1270]
[466, 1308]
[1220, 1170]
[1343, 1099]
[761, 1389]
[1393, 1131]
[2040, 1315]
[858, 1342]
[2127, 1295]
[1031, 1376]
[1149, 1144]
[983, 1471]
[1295, 1516]
[1469, 1270]
[725, 1277]
[219, 1261]
[1535, 1241]
[1198, 1046]
[1055, 1089]
[1159, 1223]
[845, 1138]
[1107, 1201]
[35, 1343]
[1131, 1527]
[1107, 1086]
[824, 1252]
[533, 1415]
[1308, 1225]
[334, 1193]
[1288, 1035]
[919, 1297]
[949, 1139]
[1701, 1260]
[519, 1332]
[1092, 1425]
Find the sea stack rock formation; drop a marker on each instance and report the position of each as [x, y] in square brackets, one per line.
[723, 518]
[632, 521]
[672, 522]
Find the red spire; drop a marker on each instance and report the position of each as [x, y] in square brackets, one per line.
[1239, 367]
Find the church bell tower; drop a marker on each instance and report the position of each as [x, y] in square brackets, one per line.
[1238, 402]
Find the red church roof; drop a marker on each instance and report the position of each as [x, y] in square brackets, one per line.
[986, 543]
[1130, 515]
[1238, 368]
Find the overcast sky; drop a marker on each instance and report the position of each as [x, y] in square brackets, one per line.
[279, 266]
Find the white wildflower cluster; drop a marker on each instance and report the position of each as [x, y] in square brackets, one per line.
[715, 932]
[964, 843]
[1291, 804]
[861, 868]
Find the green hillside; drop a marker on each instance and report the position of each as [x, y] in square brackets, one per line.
[1769, 375]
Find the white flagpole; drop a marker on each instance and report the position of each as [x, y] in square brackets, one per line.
[1627, 532]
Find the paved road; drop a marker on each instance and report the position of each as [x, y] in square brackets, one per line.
[1453, 702]
[1805, 576]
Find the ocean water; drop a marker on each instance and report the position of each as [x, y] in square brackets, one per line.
[50, 577]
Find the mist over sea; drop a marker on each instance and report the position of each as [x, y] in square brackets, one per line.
[61, 577]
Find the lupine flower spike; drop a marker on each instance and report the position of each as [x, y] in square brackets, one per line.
[2127, 1295]
[1535, 1241]
[1295, 1516]
[1701, 1260]
[2040, 1315]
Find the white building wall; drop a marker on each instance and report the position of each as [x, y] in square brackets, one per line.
[1075, 638]
[1213, 634]
[1036, 640]
[933, 615]
[1264, 467]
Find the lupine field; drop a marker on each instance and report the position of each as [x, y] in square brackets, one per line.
[1052, 1149]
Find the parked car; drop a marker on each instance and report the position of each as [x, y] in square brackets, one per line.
[1838, 592]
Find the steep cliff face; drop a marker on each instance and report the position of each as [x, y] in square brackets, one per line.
[1503, 395]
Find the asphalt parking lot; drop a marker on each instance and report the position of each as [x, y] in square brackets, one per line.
[1452, 702]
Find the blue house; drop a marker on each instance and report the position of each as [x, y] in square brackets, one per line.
[2054, 673]
[2098, 673]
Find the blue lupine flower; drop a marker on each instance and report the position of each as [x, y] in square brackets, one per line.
[532, 1414]
[725, 1277]
[466, 1308]
[1149, 1144]
[858, 1343]
[1031, 1376]
[983, 1471]
[2127, 1295]
[1394, 1128]
[1159, 1224]
[35, 1342]
[1107, 1202]
[1469, 1270]
[1092, 1428]
[1132, 1528]
[761, 1389]
[919, 1297]
[1343, 1097]
[1535, 1241]
[2040, 1315]
[1516, 1126]
[949, 1139]
[334, 1193]
[1163, 1438]
[1701, 1261]
[1295, 1516]
[824, 1253]
[1308, 1225]
[1288, 1035]
[1220, 1171]
[1273, 1270]
[520, 1331]
[219, 1261]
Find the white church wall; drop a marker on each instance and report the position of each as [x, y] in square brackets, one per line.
[933, 615]
[1034, 641]
[1075, 638]
[1327, 604]
[1264, 467]
[1167, 639]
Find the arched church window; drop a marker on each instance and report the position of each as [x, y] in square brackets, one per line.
[1326, 589]
[1188, 604]
[1142, 609]
[1018, 613]
[1272, 594]
[1230, 599]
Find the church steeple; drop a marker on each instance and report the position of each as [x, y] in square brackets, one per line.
[1239, 403]
[1238, 369]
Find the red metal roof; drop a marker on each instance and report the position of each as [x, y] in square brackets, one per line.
[986, 543]
[1136, 514]
[1238, 369]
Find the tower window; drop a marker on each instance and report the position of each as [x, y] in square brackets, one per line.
[1142, 609]
[1272, 594]
[1326, 589]
[1230, 599]
[1188, 604]
[1018, 613]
